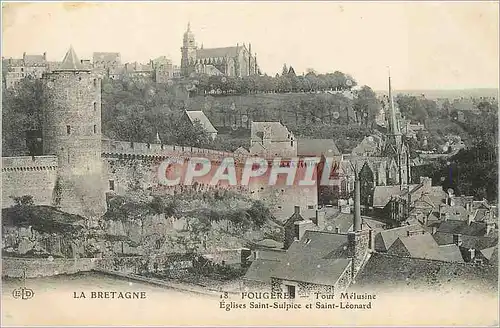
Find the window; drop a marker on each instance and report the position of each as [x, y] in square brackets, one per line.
[95, 128]
[68, 129]
[310, 207]
[291, 143]
[112, 185]
[95, 106]
[291, 291]
[95, 82]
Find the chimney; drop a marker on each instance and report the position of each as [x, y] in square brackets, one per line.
[357, 206]
[489, 227]
[426, 182]
[296, 209]
[319, 219]
[468, 206]
[337, 230]
[345, 209]
[457, 239]
[470, 218]
[44, 56]
[472, 253]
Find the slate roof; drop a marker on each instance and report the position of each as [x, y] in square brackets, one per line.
[71, 62]
[317, 258]
[384, 239]
[34, 60]
[343, 221]
[383, 271]
[476, 242]
[462, 227]
[423, 246]
[216, 52]
[106, 57]
[317, 147]
[277, 131]
[200, 116]
[261, 270]
[455, 213]
[382, 194]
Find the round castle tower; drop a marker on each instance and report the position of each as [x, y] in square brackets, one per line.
[72, 132]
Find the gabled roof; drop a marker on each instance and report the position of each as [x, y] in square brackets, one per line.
[463, 227]
[383, 271]
[198, 115]
[384, 239]
[71, 62]
[343, 221]
[274, 130]
[317, 258]
[317, 147]
[423, 246]
[382, 194]
[261, 270]
[216, 52]
[476, 242]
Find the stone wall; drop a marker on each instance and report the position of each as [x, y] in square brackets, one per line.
[31, 268]
[43, 267]
[35, 176]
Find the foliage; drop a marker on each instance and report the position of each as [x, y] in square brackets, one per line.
[21, 111]
[418, 109]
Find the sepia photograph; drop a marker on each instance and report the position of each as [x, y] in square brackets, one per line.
[258, 163]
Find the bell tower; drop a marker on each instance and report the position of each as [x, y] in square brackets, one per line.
[188, 52]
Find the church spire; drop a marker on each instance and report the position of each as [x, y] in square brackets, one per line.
[393, 124]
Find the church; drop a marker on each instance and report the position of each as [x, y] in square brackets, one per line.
[382, 160]
[228, 61]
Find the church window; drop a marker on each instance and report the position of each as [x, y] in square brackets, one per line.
[291, 143]
[95, 106]
[68, 129]
[95, 128]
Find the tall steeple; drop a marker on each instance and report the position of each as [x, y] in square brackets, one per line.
[393, 124]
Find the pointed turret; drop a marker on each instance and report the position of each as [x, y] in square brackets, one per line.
[71, 62]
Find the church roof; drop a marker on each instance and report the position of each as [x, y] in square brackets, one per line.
[216, 52]
[71, 62]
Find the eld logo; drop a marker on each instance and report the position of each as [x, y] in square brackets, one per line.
[23, 293]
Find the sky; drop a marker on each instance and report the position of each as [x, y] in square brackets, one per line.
[428, 45]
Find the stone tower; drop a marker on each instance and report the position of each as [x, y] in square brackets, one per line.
[72, 131]
[188, 52]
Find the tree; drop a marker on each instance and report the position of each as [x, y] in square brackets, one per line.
[21, 111]
[291, 71]
[284, 71]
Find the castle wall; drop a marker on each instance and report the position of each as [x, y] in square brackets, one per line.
[35, 176]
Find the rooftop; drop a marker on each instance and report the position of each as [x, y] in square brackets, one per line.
[198, 115]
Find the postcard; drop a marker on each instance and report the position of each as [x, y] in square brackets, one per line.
[250, 163]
